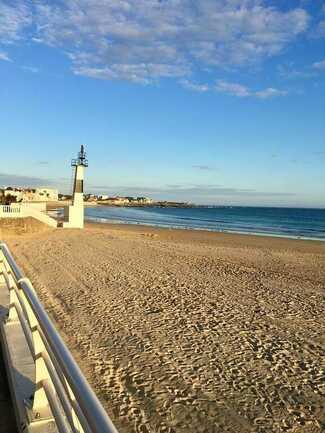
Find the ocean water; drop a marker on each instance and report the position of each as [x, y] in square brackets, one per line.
[284, 222]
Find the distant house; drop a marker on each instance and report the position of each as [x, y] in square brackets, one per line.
[46, 194]
[31, 194]
[144, 200]
[119, 200]
[90, 197]
[15, 194]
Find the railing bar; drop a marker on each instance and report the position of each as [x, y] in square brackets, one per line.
[50, 356]
[20, 308]
[55, 407]
[55, 363]
[26, 329]
[22, 304]
[6, 267]
[95, 414]
[57, 382]
[5, 275]
[81, 416]
[17, 272]
[61, 378]
[59, 390]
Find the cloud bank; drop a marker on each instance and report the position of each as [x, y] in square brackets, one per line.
[234, 89]
[4, 56]
[146, 40]
[17, 180]
[319, 66]
[241, 91]
[194, 193]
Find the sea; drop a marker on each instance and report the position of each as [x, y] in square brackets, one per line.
[270, 221]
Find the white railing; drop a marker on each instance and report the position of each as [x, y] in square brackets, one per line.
[62, 394]
[6, 209]
[24, 210]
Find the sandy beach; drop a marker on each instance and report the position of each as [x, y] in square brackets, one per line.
[188, 331]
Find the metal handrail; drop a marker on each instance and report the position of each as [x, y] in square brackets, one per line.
[13, 266]
[91, 408]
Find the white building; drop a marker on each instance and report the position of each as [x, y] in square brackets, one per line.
[144, 200]
[32, 194]
[46, 194]
[14, 192]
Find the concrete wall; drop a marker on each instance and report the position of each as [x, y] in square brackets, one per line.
[25, 210]
[74, 217]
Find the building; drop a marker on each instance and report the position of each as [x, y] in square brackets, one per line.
[144, 200]
[122, 201]
[31, 194]
[46, 194]
[119, 201]
[13, 194]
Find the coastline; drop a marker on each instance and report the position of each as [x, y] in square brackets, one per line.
[212, 237]
[241, 222]
[288, 223]
[98, 220]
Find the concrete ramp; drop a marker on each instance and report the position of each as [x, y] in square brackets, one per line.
[7, 415]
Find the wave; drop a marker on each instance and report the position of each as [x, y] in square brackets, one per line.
[293, 223]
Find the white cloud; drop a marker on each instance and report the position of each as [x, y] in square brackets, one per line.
[144, 40]
[200, 193]
[270, 92]
[194, 86]
[14, 17]
[288, 71]
[204, 167]
[241, 91]
[319, 66]
[32, 69]
[319, 31]
[142, 73]
[4, 56]
[168, 37]
[234, 89]
[21, 180]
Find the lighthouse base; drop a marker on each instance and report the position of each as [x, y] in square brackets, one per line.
[74, 217]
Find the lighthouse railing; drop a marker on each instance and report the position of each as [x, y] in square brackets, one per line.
[62, 394]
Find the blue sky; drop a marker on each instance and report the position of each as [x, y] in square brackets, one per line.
[209, 101]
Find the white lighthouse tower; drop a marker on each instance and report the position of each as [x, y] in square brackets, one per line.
[74, 214]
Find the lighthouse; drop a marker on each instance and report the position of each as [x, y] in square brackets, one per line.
[74, 214]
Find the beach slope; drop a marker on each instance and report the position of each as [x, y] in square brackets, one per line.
[188, 331]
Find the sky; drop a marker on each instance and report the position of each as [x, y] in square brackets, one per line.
[213, 102]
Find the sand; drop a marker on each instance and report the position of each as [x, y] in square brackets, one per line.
[187, 331]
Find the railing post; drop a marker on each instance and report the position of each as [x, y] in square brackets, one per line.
[62, 397]
[10, 282]
[40, 408]
[13, 300]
